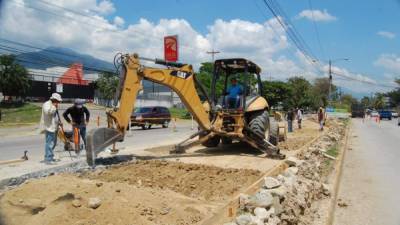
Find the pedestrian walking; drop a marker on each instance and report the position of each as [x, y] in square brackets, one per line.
[49, 122]
[80, 116]
[299, 115]
[321, 118]
[289, 118]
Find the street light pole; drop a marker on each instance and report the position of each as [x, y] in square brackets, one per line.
[330, 81]
[330, 76]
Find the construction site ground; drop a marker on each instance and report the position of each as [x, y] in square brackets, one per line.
[153, 188]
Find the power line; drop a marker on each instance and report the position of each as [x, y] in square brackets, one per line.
[363, 81]
[47, 61]
[102, 28]
[316, 29]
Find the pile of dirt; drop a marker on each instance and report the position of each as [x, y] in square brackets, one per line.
[193, 180]
[144, 192]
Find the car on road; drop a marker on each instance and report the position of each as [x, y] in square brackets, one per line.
[147, 116]
[395, 114]
[385, 114]
[374, 114]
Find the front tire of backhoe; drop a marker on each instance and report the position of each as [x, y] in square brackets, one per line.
[259, 124]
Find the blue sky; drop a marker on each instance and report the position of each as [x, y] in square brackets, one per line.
[353, 35]
[366, 32]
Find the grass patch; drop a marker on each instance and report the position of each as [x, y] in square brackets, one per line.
[333, 150]
[180, 113]
[18, 114]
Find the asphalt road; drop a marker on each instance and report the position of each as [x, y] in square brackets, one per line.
[370, 181]
[12, 147]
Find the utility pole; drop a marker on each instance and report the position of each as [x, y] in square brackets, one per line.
[213, 53]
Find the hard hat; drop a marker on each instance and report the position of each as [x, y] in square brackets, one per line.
[56, 96]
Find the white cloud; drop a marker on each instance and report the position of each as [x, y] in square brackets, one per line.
[119, 21]
[316, 15]
[386, 34]
[264, 43]
[105, 7]
[390, 62]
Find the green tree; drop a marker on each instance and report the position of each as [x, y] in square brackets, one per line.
[378, 101]
[301, 92]
[346, 101]
[14, 80]
[107, 85]
[366, 101]
[395, 94]
[277, 92]
[321, 92]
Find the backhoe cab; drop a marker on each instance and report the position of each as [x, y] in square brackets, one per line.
[245, 120]
[243, 117]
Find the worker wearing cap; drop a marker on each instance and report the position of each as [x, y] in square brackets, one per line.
[48, 125]
[234, 92]
[79, 117]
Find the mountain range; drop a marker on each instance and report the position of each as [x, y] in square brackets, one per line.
[56, 56]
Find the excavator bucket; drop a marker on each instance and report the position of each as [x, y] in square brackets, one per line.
[98, 139]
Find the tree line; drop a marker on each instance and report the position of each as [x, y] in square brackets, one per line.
[294, 92]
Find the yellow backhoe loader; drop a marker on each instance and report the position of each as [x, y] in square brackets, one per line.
[247, 121]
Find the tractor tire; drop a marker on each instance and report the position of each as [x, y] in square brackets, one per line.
[274, 133]
[226, 140]
[212, 142]
[259, 124]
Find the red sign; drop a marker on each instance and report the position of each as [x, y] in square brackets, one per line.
[171, 48]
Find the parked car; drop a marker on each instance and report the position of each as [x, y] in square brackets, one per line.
[145, 117]
[374, 114]
[395, 114]
[385, 114]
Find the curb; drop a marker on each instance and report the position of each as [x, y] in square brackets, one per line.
[338, 168]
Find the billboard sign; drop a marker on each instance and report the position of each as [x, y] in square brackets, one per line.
[171, 48]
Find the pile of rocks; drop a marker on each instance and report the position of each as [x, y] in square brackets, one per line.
[285, 198]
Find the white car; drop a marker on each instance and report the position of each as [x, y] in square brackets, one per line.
[395, 114]
[374, 114]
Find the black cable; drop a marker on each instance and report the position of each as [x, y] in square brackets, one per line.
[316, 29]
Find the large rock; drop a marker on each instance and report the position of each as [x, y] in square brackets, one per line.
[270, 183]
[261, 199]
[279, 192]
[293, 161]
[273, 221]
[94, 203]
[261, 213]
[276, 205]
[244, 219]
[291, 171]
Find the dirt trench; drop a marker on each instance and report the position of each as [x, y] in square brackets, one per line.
[144, 192]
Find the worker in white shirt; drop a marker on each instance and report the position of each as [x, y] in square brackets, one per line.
[48, 125]
[299, 115]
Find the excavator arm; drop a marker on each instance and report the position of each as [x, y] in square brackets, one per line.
[179, 77]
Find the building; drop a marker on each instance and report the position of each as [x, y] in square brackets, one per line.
[69, 82]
